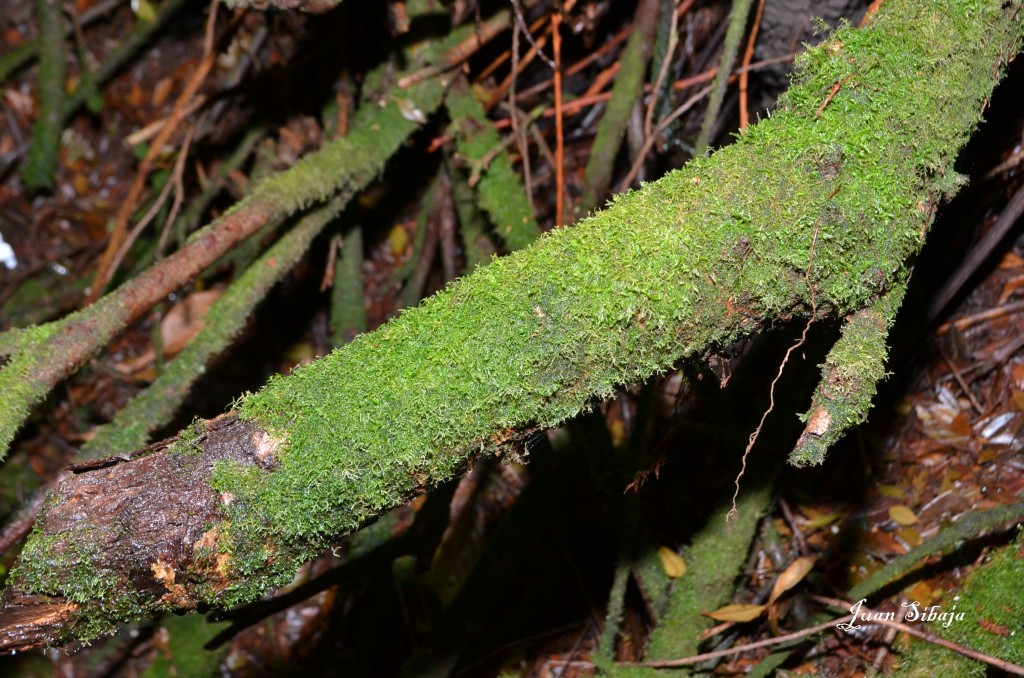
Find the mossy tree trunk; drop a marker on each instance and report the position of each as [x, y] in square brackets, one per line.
[814, 212]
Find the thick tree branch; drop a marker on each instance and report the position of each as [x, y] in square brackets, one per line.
[689, 263]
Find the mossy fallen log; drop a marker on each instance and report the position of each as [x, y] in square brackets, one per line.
[814, 212]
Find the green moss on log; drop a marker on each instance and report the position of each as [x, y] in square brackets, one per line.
[714, 561]
[340, 168]
[991, 622]
[689, 263]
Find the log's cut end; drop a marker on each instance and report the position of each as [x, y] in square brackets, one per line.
[28, 622]
[126, 537]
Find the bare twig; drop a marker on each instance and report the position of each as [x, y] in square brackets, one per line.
[179, 164]
[579, 65]
[105, 269]
[576, 105]
[797, 534]
[662, 126]
[979, 253]
[673, 41]
[152, 129]
[521, 20]
[179, 191]
[960, 380]
[446, 228]
[748, 54]
[556, 42]
[686, 106]
[881, 619]
[966, 321]
[513, 113]
[459, 53]
[530, 55]
[768, 642]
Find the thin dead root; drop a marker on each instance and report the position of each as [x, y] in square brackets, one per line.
[771, 391]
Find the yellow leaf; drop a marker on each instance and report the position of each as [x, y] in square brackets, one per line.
[144, 10]
[301, 352]
[949, 479]
[892, 492]
[902, 515]
[902, 408]
[822, 520]
[910, 536]
[399, 239]
[671, 562]
[737, 613]
[617, 430]
[792, 576]
[920, 593]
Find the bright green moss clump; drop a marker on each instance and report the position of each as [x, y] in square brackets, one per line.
[691, 262]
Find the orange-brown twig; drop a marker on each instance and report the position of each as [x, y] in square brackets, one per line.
[870, 12]
[106, 267]
[602, 79]
[835, 90]
[581, 64]
[152, 129]
[748, 54]
[556, 44]
[687, 105]
[151, 213]
[487, 31]
[504, 56]
[531, 54]
[576, 105]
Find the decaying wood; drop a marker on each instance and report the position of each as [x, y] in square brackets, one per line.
[151, 516]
